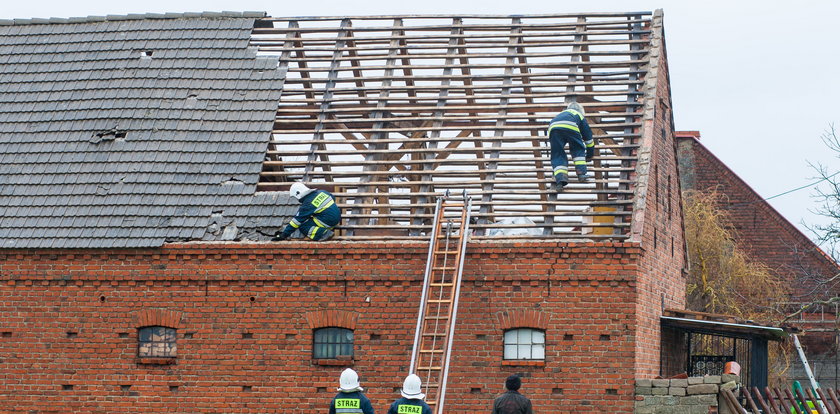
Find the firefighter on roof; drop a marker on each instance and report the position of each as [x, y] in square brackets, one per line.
[570, 127]
[317, 216]
[350, 398]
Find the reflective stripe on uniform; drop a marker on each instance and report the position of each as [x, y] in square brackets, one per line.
[320, 223]
[325, 206]
[561, 170]
[579, 160]
[294, 223]
[312, 232]
[590, 143]
[576, 113]
[564, 124]
[348, 410]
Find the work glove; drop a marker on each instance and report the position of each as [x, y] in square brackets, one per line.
[590, 154]
[280, 236]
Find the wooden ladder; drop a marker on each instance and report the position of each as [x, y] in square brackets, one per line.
[439, 301]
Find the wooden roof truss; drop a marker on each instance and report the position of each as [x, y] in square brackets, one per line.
[391, 111]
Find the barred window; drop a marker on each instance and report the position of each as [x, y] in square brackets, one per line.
[525, 343]
[332, 343]
[157, 342]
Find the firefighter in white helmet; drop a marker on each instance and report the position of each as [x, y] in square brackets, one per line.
[570, 127]
[412, 398]
[317, 216]
[350, 398]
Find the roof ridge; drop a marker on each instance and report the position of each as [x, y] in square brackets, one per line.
[134, 16]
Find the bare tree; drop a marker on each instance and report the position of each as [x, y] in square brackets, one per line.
[828, 195]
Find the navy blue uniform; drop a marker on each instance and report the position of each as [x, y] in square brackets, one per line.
[570, 127]
[409, 406]
[351, 402]
[317, 214]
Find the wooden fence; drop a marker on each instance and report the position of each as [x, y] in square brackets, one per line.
[784, 401]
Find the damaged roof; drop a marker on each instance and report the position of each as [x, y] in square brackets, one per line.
[131, 131]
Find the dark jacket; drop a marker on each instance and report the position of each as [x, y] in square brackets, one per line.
[319, 205]
[572, 120]
[409, 406]
[350, 402]
[512, 402]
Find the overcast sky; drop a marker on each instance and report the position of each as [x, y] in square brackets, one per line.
[757, 78]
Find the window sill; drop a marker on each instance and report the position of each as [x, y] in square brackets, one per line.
[334, 362]
[523, 363]
[155, 361]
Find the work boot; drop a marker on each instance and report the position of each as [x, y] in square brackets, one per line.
[582, 176]
[327, 235]
[560, 181]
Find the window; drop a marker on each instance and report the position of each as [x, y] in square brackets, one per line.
[525, 343]
[156, 342]
[332, 343]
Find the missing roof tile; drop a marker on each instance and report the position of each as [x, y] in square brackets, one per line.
[109, 135]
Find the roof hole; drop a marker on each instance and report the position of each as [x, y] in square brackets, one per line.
[146, 54]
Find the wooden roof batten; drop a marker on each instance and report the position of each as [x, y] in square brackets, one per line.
[390, 111]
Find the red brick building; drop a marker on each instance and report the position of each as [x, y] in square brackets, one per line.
[769, 238]
[146, 209]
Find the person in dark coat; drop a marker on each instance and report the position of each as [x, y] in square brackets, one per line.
[350, 399]
[412, 398]
[512, 402]
[570, 127]
[317, 216]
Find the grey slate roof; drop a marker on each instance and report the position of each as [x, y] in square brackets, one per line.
[130, 131]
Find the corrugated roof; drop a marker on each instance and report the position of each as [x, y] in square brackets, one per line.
[128, 131]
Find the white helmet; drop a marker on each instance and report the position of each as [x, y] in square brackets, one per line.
[576, 107]
[299, 190]
[349, 381]
[411, 388]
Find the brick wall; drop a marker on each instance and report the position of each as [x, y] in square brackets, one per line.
[760, 229]
[657, 213]
[245, 314]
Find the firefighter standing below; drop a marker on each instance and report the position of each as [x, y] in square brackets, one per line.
[350, 398]
[317, 216]
[412, 399]
[570, 127]
[512, 402]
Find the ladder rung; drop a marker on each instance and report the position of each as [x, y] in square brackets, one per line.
[446, 251]
[439, 300]
[444, 268]
[437, 317]
[440, 284]
[434, 334]
[429, 368]
[431, 351]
